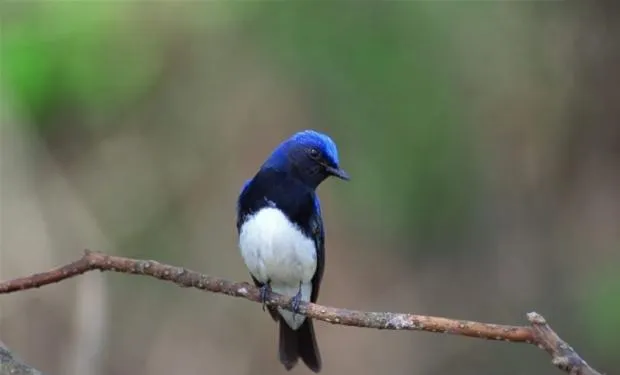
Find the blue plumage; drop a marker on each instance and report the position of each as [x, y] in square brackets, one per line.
[300, 140]
[281, 234]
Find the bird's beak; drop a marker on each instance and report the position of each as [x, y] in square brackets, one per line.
[338, 172]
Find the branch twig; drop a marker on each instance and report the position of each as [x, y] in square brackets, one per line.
[539, 333]
[11, 365]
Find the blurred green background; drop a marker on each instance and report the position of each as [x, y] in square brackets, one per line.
[482, 138]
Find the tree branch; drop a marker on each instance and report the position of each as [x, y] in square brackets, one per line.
[11, 365]
[539, 333]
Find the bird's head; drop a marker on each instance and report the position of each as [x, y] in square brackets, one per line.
[309, 156]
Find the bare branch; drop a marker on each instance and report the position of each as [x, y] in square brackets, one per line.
[11, 365]
[563, 356]
[539, 333]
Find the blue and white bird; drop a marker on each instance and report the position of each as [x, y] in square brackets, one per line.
[281, 235]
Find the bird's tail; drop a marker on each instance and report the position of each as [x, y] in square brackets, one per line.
[299, 343]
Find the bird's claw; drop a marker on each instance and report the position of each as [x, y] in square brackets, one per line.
[264, 293]
[295, 302]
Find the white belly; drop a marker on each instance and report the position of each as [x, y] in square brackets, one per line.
[275, 249]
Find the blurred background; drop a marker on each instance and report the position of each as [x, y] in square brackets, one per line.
[483, 141]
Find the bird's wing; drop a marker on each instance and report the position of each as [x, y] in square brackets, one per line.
[240, 216]
[318, 236]
[239, 213]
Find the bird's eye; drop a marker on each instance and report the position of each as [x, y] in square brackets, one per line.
[314, 153]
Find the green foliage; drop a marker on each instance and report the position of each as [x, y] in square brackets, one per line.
[600, 311]
[383, 79]
[379, 76]
[72, 53]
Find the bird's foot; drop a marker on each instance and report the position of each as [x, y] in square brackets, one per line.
[295, 301]
[265, 290]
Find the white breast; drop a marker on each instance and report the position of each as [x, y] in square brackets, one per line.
[275, 249]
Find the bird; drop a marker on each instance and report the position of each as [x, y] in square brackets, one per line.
[282, 238]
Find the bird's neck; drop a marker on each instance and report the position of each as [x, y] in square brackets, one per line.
[273, 179]
[291, 174]
[274, 188]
